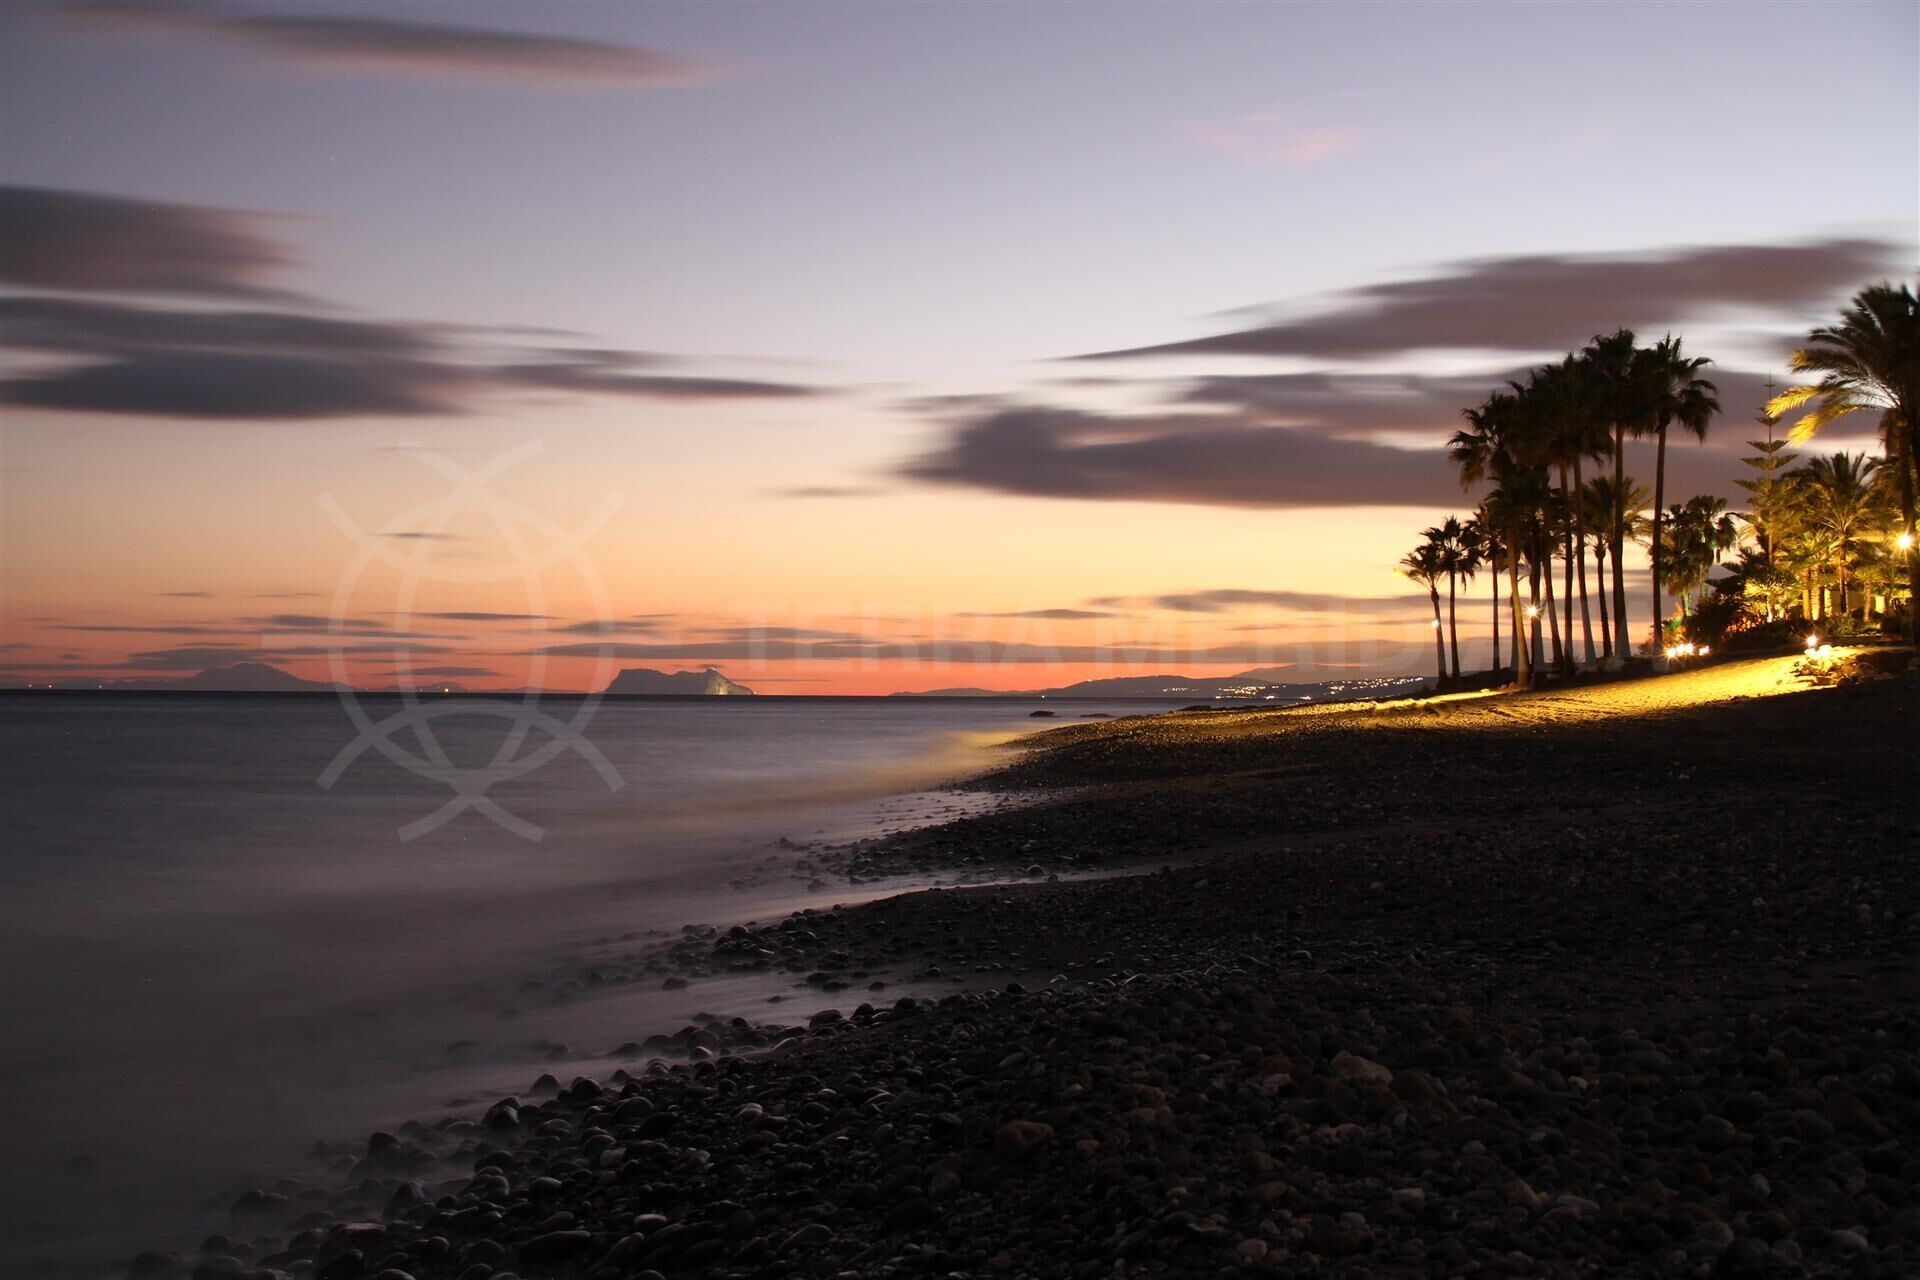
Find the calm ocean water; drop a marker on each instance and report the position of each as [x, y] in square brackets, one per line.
[207, 960]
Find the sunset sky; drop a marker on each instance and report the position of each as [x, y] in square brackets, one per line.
[854, 348]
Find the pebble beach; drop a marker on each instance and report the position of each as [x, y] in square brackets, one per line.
[1615, 980]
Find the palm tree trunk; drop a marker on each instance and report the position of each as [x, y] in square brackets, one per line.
[1553, 614]
[1453, 625]
[1517, 617]
[1566, 552]
[1579, 537]
[1493, 582]
[1439, 645]
[1622, 647]
[1600, 572]
[1653, 548]
[1536, 657]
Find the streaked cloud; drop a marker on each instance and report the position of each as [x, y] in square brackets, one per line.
[117, 357]
[1548, 302]
[1196, 458]
[1051, 615]
[1226, 599]
[352, 42]
[84, 241]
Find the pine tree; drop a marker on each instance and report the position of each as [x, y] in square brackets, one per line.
[1771, 500]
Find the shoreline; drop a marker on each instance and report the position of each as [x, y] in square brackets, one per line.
[1436, 893]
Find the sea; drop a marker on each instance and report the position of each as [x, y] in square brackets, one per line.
[232, 925]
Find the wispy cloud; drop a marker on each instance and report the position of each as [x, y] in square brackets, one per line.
[259, 363]
[1195, 458]
[1548, 302]
[78, 240]
[345, 42]
[1275, 139]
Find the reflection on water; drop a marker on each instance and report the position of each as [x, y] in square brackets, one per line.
[209, 961]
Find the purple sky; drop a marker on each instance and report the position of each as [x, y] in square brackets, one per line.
[801, 281]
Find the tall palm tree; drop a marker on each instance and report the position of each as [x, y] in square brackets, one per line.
[1484, 450]
[1870, 363]
[1843, 501]
[1488, 553]
[1425, 564]
[1678, 397]
[1599, 503]
[1457, 559]
[1510, 508]
[1573, 429]
[1622, 389]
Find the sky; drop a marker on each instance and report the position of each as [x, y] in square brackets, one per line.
[866, 347]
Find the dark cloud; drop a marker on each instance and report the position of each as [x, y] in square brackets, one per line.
[943, 650]
[195, 657]
[229, 384]
[1063, 453]
[640, 624]
[82, 241]
[488, 617]
[1344, 404]
[415, 535]
[70, 326]
[120, 358]
[1221, 600]
[165, 630]
[827, 491]
[604, 375]
[188, 595]
[1054, 615]
[1550, 302]
[357, 43]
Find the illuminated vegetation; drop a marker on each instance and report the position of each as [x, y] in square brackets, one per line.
[1827, 542]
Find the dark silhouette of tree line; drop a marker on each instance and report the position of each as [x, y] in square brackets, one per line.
[1828, 539]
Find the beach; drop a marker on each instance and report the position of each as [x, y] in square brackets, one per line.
[1612, 980]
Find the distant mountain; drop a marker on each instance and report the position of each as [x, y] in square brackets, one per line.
[683, 684]
[250, 677]
[238, 677]
[1261, 684]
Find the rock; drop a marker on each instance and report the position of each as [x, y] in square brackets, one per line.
[1358, 1070]
[555, 1246]
[1017, 1139]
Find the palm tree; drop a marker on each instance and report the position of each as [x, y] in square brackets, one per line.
[1623, 396]
[1573, 430]
[1510, 508]
[1457, 559]
[1843, 501]
[1424, 564]
[1679, 396]
[1870, 363]
[1488, 552]
[1599, 503]
[1699, 532]
[1484, 450]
